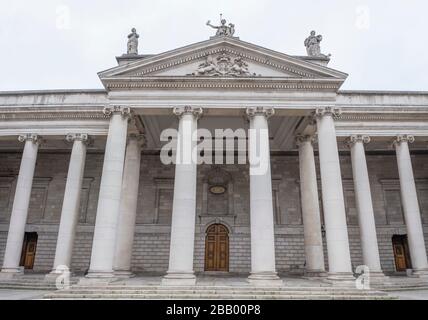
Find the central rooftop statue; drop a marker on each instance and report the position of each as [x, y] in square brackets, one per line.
[223, 30]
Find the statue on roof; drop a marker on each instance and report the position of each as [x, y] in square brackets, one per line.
[223, 29]
[133, 42]
[312, 44]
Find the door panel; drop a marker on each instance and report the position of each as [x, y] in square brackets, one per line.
[217, 248]
[29, 247]
[400, 259]
[401, 253]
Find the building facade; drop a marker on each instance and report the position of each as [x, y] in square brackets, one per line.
[83, 184]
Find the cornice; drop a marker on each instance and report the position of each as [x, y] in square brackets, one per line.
[222, 83]
[394, 116]
[204, 53]
[50, 114]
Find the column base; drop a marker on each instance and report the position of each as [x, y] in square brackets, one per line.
[123, 274]
[9, 273]
[265, 279]
[315, 274]
[179, 279]
[420, 273]
[341, 279]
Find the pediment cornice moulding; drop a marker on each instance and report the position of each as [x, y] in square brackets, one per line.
[222, 83]
[299, 72]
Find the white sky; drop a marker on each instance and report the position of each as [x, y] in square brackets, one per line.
[51, 44]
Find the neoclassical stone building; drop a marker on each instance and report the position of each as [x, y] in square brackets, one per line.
[82, 183]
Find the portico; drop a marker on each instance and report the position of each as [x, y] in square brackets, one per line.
[287, 205]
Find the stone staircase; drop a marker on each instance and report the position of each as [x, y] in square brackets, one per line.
[403, 284]
[211, 288]
[214, 292]
[31, 283]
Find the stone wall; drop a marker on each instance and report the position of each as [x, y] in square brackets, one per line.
[151, 246]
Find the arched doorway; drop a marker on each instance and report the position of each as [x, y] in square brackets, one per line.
[217, 248]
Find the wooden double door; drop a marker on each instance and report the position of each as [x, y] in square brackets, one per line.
[28, 254]
[217, 248]
[401, 252]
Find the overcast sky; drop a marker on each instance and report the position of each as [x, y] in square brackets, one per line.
[49, 44]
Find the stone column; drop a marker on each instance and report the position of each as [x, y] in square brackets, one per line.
[310, 208]
[339, 258]
[103, 246]
[263, 270]
[180, 270]
[70, 206]
[128, 207]
[18, 219]
[364, 204]
[409, 199]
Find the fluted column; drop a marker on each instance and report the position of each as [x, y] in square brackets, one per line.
[364, 204]
[263, 270]
[128, 206]
[103, 246]
[339, 258]
[310, 208]
[18, 219]
[409, 199]
[180, 270]
[71, 204]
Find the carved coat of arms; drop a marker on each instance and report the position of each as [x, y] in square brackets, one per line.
[223, 65]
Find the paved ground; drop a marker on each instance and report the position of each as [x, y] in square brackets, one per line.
[14, 294]
[411, 294]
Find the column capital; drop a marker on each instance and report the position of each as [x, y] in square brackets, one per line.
[300, 139]
[71, 137]
[335, 112]
[124, 111]
[35, 138]
[139, 137]
[353, 139]
[195, 111]
[259, 111]
[403, 138]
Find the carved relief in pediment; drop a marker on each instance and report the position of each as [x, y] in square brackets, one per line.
[223, 65]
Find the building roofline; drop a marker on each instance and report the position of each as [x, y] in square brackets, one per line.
[77, 91]
[391, 92]
[51, 91]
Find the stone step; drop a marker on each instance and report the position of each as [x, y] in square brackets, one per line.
[27, 288]
[218, 289]
[404, 288]
[74, 281]
[219, 293]
[213, 292]
[215, 296]
[30, 284]
[234, 288]
[26, 284]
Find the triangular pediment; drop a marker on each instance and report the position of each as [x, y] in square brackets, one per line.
[222, 57]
